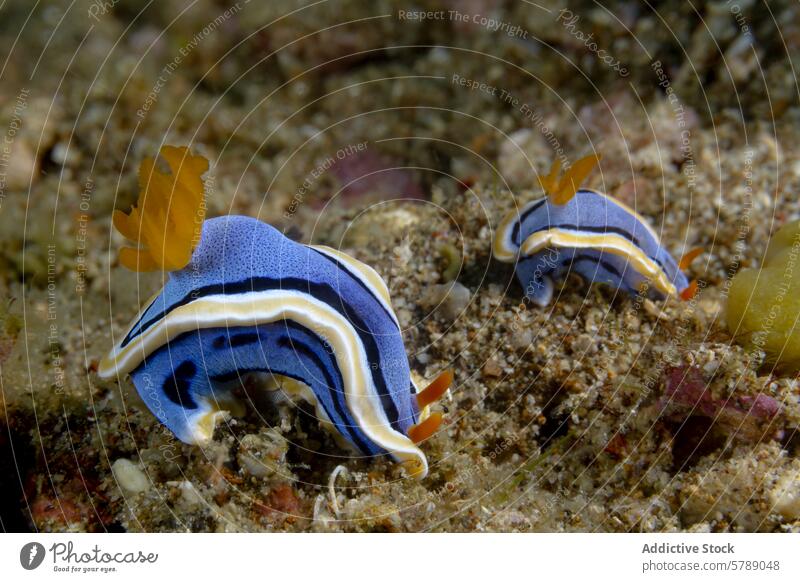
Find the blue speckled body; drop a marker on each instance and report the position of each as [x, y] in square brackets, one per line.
[239, 256]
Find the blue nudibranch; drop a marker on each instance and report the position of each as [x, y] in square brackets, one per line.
[321, 322]
[591, 233]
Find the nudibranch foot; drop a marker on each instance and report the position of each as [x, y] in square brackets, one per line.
[185, 391]
[531, 272]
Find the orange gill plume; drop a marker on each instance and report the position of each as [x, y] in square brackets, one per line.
[434, 391]
[560, 191]
[168, 217]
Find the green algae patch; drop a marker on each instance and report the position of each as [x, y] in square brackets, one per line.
[764, 303]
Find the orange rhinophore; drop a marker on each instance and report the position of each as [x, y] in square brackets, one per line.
[683, 264]
[167, 220]
[435, 389]
[687, 259]
[426, 428]
[690, 291]
[560, 191]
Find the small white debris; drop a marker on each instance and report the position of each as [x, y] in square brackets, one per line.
[130, 476]
[189, 493]
[786, 495]
[521, 339]
[332, 489]
[64, 155]
[449, 299]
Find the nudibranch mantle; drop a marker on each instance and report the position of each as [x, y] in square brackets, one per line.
[592, 234]
[251, 299]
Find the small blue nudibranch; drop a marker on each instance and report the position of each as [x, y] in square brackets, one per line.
[590, 233]
[321, 322]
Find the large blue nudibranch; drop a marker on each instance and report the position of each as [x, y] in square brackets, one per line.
[319, 321]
